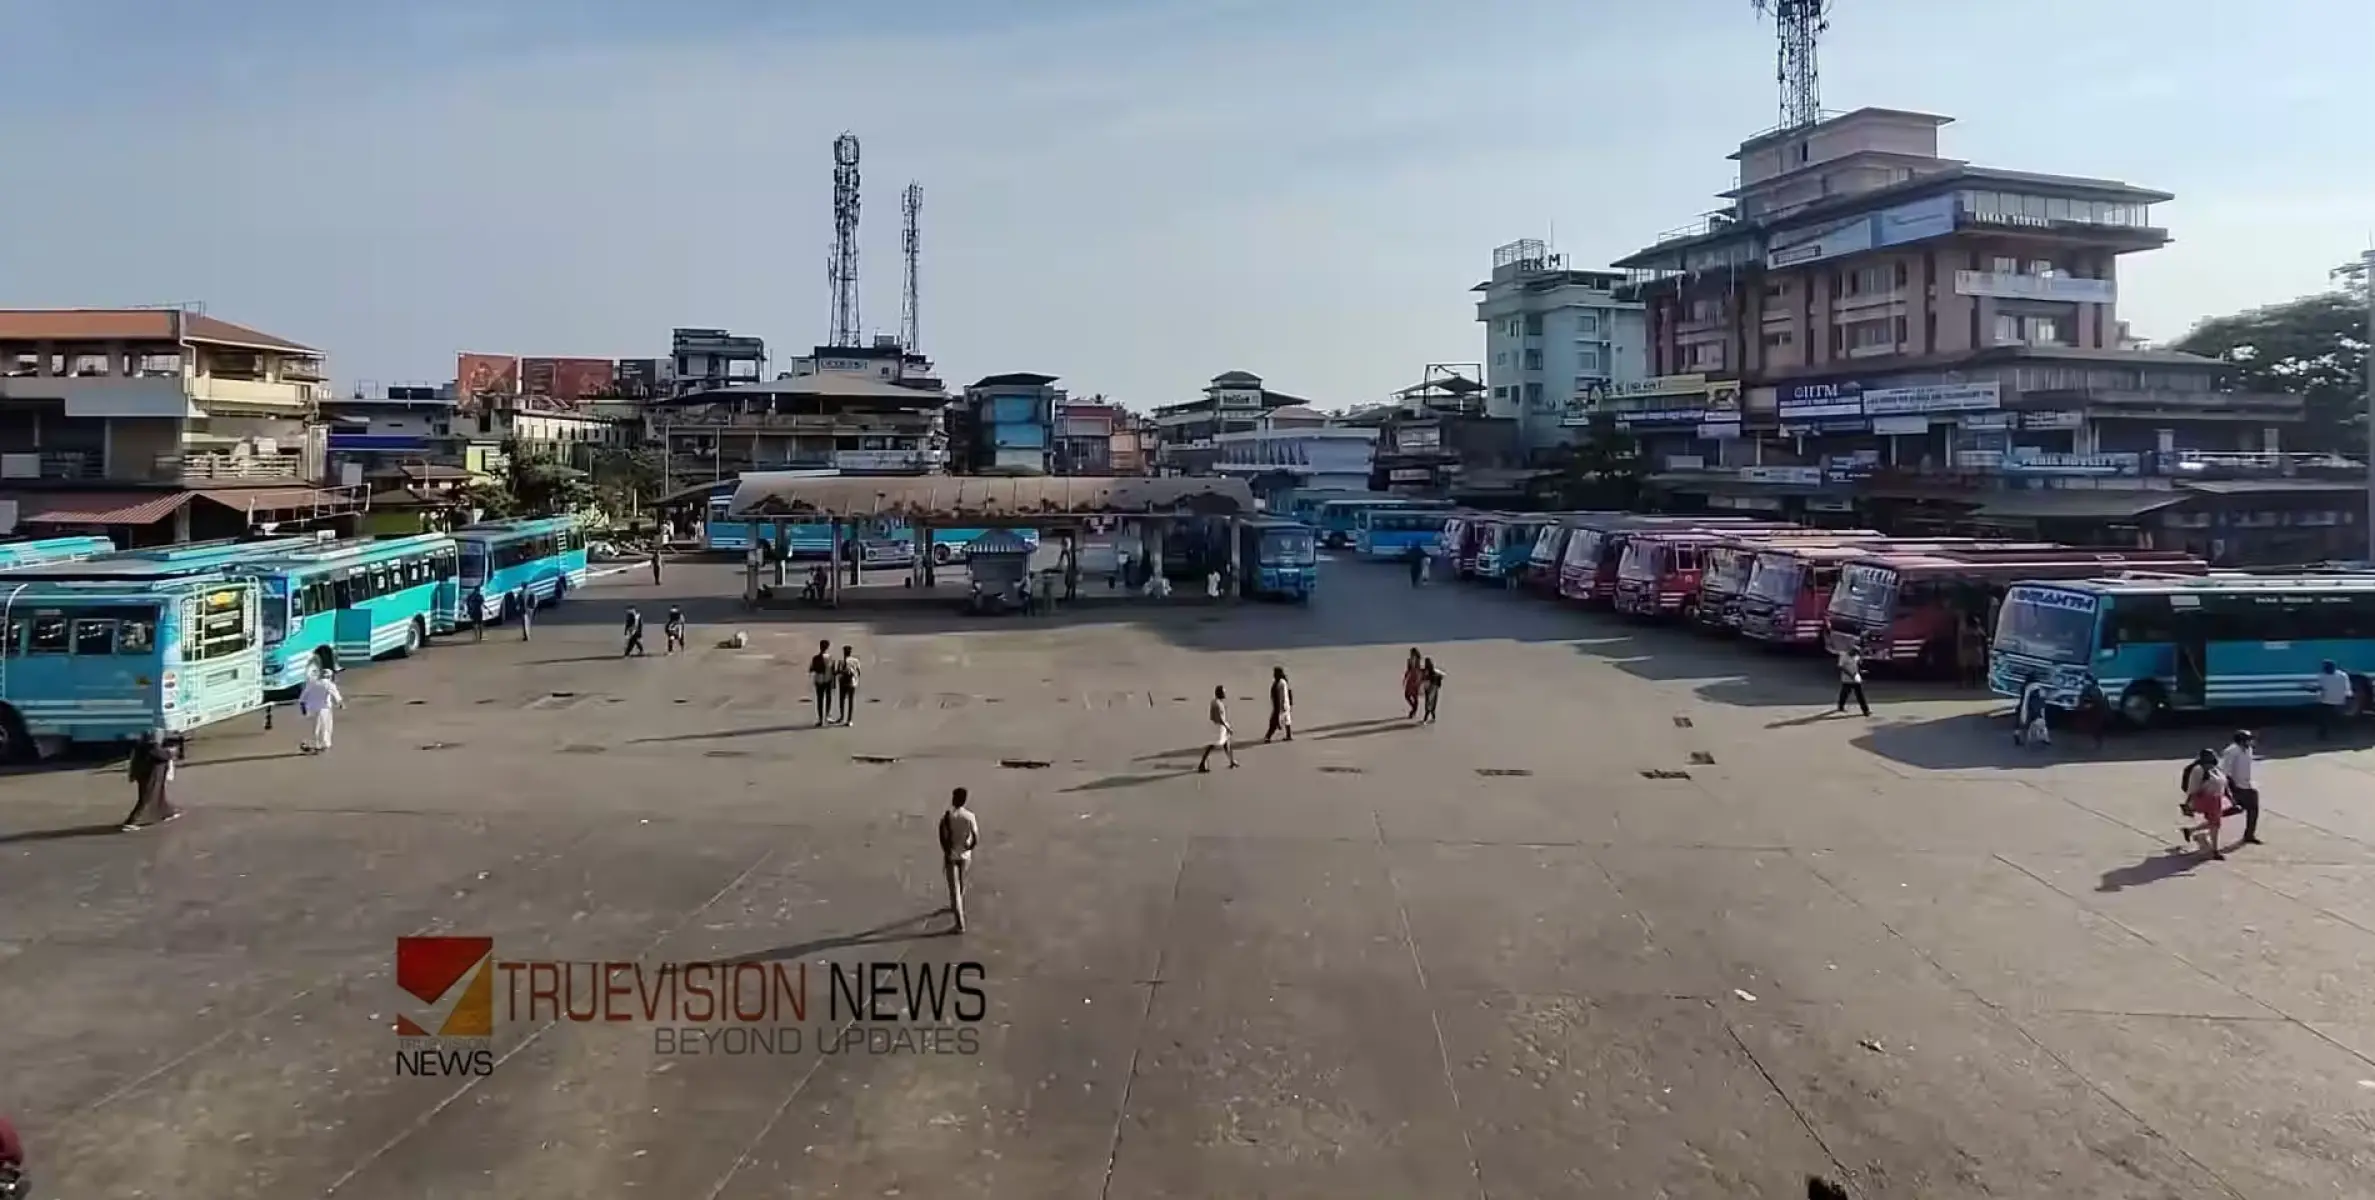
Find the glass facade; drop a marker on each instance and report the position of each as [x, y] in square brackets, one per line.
[2020, 207]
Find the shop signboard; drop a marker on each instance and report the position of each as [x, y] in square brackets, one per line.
[1825, 425]
[1409, 475]
[1983, 422]
[2052, 420]
[2026, 461]
[1917, 221]
[1808, 476]
[1933, 398]
[1847, 237]
[1817, 401]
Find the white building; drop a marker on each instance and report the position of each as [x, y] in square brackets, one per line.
[1554, 338]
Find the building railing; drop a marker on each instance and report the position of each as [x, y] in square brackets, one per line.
[61, 465]
[231, 468]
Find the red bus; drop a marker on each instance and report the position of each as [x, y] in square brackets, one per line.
[1732, 560]
[1587, 570]
[1463, 535]
[1788, 595]
[1659, 573]
[1907, 607]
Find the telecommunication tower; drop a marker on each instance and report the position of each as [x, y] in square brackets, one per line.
[1801, 24]
[911, 243]
[842, 268]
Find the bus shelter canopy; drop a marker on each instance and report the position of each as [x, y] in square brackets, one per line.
[985, 500]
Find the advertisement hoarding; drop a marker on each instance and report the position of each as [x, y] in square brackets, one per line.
[1847, 237]
[1933, 398]
[1918, 221]
[567, 381]
[1816, 401]
[643, 377]
[477, 375]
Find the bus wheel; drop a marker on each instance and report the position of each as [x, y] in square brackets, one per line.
[2141, 705]
[941, 553]
[414, 638]
[16, 746]
[560, 589]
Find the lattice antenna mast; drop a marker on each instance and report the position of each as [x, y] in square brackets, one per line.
[911, 243]
[1801, 24]
[842, 268]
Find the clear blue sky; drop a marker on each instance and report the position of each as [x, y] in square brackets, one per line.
[1133, 194]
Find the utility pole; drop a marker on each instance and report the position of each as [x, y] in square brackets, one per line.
[2368, 282]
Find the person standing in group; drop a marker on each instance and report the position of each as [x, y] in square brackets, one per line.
[960, 832]
[1282, 706]
[655, 564]
[478, 614]
[2206, 796]
[2028, 716]
[673, 629]
[1071, 570]
[151, 772]
[634, 634]
[1432, 681]
[526, 601]
[1218, 716]
[1970, 652]
[1851, 680]
[820, 680]
[318, 701]
[845, 681]
[1414, 680]
[2239, 765]
[2334, 692]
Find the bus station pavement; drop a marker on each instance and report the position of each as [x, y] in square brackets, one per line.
[1637, 917]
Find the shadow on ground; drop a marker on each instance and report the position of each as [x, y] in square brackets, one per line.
[1983, 741]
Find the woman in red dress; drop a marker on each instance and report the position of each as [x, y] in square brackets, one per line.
[2206, 798]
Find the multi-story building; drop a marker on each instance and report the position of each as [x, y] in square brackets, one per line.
[844, 420]
[1437, 438]
[159, 424]
[885, 360]
[1084, 436]
[708, 359]
[1555, 338]
[1008, 423]
[1132, 446]
[1298, 449]
[1234, 402]
[1871, 327]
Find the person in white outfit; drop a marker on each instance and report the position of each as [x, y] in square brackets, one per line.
[317, 701]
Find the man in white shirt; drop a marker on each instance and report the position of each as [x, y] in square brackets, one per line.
[2333, 698]
[960, 832]
[1217, 716]
[317, 700]
[2236, 763]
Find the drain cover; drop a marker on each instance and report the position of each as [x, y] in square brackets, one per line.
[1501, 772]
[1022, 764]
[585, 749]
[1700, 758]
[1665, 774]
[1682, 722]
[877, 759]
[1340, 770]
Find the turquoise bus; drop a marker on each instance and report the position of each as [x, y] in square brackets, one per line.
[1277, 560]
[1393, 531]
[337, 603]
[52, 550]
[887, 544]
[108, 659]
[1338, 521]
[2156, 644]
[545, 557]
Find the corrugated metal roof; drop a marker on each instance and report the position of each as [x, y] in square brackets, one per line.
[2239, 487]
[130, 325]
[975, 497]
[271, 499]
[2076, 503]
[99, 508]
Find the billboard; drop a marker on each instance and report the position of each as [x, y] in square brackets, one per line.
[477, 375]
[567, 381]
[643, 377]
[1916, 221]
[1813, 401]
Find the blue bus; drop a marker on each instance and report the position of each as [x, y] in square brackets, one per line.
[52, 550]
[107, 659]
[542, 557]
[1277, 559]
[1337, 521]
[1392, 532]
[336, 603]
[2156, 644]
[886, 544]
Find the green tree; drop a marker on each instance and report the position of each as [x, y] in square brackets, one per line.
[537, 486]
[2314, 347]
[626, 482]
[1603, 469]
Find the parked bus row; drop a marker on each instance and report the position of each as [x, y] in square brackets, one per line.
[891, 545]
[2149, 631]
[101, 645]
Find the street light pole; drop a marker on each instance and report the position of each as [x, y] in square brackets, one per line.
[2367, 280]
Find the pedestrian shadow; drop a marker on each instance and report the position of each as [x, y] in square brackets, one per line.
[57, 835]
[2150, 870]
[1371, 731]
[1117, 782]
[1342, 728]
[896, 931]
[581, 658]
[1816, 718]
[726, 734]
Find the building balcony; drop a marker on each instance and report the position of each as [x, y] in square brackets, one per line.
[61, 466]
[212, 392]
[230, 468]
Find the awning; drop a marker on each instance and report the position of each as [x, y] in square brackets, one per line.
[99, 508]
[985, 499]
[265, 500]
[2075, 504]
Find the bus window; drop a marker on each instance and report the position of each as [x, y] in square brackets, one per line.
[94, 637]
[16, 638]
[138, 636]
[49, 636]
[342, 593]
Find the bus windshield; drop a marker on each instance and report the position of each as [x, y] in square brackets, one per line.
[1867, 593]
[2047, 623]
[274, 604]
[1583, 548]
[1640, 562]
[1727, 572]
[1288, 547]
[1775, 578]
[474, 563]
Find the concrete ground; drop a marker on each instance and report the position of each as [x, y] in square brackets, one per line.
[1495, 956]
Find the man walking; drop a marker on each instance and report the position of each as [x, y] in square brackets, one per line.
[1418, 566]
[478, 614]
[317, 701]
[1851, 680]
[1218, 717]
[845, 681]
[2237, 762]
[152, 779]
[655, 564]
[820, 680]
[634, 632]
[2333, 699]
[526, 601]
[960, 832]
[1282, 706]
[1431, 684]
[673, 629]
